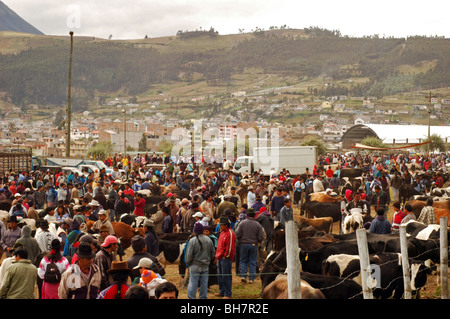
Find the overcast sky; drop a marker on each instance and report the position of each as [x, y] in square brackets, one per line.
[134, 19]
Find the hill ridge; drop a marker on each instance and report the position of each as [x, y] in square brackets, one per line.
[11, 21]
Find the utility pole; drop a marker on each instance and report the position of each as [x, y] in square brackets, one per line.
[429, 116]
[124, 131]
[69, 105]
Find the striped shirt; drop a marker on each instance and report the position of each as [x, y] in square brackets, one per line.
[427, 216]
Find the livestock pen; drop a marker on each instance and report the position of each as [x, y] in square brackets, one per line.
[431, 289]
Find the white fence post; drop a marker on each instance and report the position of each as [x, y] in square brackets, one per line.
[293, 260]
[444, 257]
[405, 262]
[364, 260]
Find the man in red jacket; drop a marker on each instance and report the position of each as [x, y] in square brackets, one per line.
[226, 246]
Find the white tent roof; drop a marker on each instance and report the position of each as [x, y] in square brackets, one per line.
[414, 133]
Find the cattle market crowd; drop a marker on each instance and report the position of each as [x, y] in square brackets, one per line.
[67, 234]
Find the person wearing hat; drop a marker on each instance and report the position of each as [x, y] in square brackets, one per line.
[142, 259]
[250, 234]
[78, 214]
[197, 217]
[82, 279]
[104, 258]
[173, 209]
[50, 289]
[150, 280]
[10, 236]
[20, 277]
[226, 247]
[102, 222]
[95, 208]
[200, 252]
[119, 273]
[85, 238]
[151, 239]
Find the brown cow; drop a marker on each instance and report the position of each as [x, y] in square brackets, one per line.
[417, 205]
[125, 232]
[324, 224]
[324, 198]
[278, 289]
[442, 213]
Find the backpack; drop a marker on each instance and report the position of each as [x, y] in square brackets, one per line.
[52, 273]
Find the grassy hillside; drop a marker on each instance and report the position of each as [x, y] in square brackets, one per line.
[192, 70]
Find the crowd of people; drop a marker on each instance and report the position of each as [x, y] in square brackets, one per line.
[69, 260]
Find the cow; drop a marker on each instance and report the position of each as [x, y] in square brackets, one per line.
[278, 289]
[174, 236]
[441, 206]
[125, 232]
[324, 224]
[406, 192]
[274, 264]
[318, 209]
[279, 241]
[419, 230]
[442, 213]
[333, 287]
[351, 172]
[172, 252]
[324, 198]
[311, 260]
[4, 216]
[387, 281]
[133, 220]
[354, 221]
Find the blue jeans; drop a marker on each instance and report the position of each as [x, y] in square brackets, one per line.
[225, 278]
[248, 256]
[112, 215]
[198, 275]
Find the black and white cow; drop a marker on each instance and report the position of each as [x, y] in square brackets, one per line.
[133, 220]
[172, 252]
[386, 280]
[333, 287]
[419, 230]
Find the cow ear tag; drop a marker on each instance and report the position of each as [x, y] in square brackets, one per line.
[306, 257]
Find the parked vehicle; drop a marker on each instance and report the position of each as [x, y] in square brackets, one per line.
[295, 159]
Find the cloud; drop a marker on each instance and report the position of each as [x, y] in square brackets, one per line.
[137, 18]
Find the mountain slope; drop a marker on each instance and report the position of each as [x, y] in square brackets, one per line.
[10, 21]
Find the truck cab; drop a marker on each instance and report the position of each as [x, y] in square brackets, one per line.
[243, 165]
[89, 169]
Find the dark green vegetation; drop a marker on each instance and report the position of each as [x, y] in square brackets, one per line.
[385, 65]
